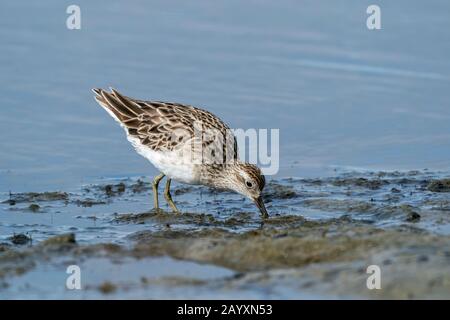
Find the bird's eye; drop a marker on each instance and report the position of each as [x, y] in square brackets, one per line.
[249, 184]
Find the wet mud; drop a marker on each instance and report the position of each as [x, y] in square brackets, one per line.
[321, 237]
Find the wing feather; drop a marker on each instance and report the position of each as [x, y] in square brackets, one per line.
[153, 122]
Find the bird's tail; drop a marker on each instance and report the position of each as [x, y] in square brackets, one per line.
[121, 108]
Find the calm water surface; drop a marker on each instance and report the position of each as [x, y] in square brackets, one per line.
[340, 94]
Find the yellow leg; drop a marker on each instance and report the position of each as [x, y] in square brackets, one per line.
[155, 189]
[169, 197]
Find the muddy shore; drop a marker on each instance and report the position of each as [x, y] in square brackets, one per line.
[322, 236]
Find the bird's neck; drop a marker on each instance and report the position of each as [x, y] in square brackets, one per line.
[218, 176]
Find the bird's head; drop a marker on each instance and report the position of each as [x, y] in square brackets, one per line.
[247, 179]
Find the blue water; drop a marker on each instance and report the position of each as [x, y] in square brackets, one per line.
[340, 94]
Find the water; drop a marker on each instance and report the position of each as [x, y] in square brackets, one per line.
[345, 99]
[339, 93]
[99, 271]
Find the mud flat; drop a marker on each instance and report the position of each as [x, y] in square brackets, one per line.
[310, 259]
[322, 236]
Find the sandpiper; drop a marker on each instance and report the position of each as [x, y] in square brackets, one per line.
[165, 134]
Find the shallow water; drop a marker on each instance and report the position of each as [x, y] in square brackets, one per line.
[339, 93]
[363, 118]
[132, 279]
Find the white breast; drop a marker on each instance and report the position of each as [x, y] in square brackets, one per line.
[168, 162]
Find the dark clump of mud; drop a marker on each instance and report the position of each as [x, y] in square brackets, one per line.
[182, 190]
[442, 185]
[89, 202]
[164, 217]
[34, 207]
[411, 214]
[118, 189]
[140, 186]
[275, 190]
[68, 238]
[199, 220]
[372, 184]
[15, 198]
[107, 287]
[339, 205]
[114, 189]
[20, 239]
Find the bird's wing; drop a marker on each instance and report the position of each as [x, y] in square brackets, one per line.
[155, 122]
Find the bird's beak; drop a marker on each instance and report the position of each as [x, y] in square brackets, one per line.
[260, 204]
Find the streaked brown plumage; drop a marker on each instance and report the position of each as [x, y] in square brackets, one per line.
[185, 143]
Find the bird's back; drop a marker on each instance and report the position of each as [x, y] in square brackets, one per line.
[157, 128]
